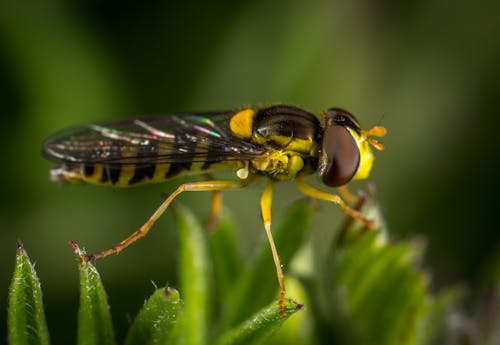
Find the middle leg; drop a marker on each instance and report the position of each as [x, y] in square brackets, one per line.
[265, 205]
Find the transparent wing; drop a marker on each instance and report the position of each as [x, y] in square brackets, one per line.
[161, 139]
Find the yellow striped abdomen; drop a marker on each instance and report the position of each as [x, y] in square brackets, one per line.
[129, 175]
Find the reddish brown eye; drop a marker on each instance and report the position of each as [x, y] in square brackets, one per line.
[340, 158]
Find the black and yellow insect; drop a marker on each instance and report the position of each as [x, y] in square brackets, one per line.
[280, 142]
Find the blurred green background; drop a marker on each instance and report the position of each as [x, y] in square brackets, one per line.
[428, 71]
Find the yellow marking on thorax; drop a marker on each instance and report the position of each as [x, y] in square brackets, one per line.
[303, 146]
[241, 123]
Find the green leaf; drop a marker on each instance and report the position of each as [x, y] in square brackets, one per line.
[436, 324]
[369, 290]
[260, 326]
[94, 318]
[227, 261]
[258, 285]
[154, 323]
[382, 293]
[26, 320]
[195, 272]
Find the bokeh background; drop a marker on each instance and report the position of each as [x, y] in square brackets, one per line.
[428, 71]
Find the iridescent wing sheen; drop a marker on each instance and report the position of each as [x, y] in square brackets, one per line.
[161, 139]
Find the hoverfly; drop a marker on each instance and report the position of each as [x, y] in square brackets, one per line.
[280, 142]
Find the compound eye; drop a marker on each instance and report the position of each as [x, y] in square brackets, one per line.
[340, 159]
[342, 118]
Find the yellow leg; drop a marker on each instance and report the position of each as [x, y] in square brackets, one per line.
[265, 205]
[313, 192]
[215, 210]
[347, 195]
[185, 187]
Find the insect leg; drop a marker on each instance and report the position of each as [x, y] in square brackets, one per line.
[215, 207]
[215, 210]
[347, 195]
[185, 187]
[313, 192]
[265, 205]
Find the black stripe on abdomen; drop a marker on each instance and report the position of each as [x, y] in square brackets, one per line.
[144, 171]
[141, 173]
[110, 173]
[88, 170]
[181, 144]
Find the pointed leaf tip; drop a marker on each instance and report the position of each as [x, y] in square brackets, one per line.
[261, 325]
[26, 319]
[20, 246]
[94, 319]
[156, 319]
[80, 253]
[75, 247]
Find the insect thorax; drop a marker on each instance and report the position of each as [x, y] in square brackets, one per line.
[279, 164]
[290, 137]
